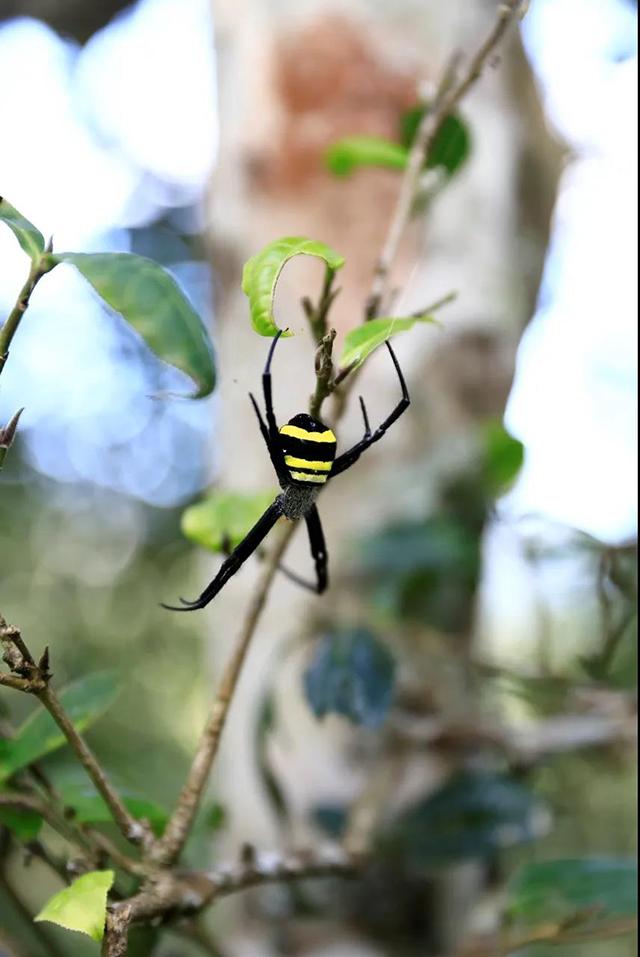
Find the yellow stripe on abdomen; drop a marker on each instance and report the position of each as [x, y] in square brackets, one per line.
[292, 461]
[303, 477]
[297, 433]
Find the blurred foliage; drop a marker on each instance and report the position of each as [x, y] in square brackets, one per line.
[452, 145]
[599, 887]
[351, 674]
[473, 815]
[223, 519]
[449, 150]
[84, 701]
[361, 341]
[428, 569]
[350, 152]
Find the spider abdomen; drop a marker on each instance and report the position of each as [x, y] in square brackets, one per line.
[309, 449]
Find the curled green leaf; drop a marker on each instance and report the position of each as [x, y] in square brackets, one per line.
[82, 906]
[262, 271]
[361, 341]
[152, 303]
[31, 239]
[223, 519]
[347, 154]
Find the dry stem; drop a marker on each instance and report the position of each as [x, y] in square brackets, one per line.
[451, 95]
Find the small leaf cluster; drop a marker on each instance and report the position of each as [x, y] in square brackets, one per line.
[449, 151]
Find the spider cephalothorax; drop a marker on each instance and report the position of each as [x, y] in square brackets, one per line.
[303, 453]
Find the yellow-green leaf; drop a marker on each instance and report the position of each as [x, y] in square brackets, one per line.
[261, 273]
[31, 239]
[347, 154]
[361, 341]
[224, 518]
[152, 303]
[82, 906]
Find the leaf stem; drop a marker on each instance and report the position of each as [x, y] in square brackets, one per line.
[38, 269]
[130, 828]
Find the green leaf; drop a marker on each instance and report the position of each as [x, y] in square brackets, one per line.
[361, 341]
[425, 571]
[84, 701]
[351, 674]
[347, 154]
[503, 457]
[552, 891]
[31, 239]
[215, 816]
[24, 822]
[330, 818]
[474, 814]
[153, 304]
[262, 271]
[82, 906]
[452, 145]
[224, 518]
[90, 808]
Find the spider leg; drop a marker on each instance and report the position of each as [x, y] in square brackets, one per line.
[318, 552]
[367, 427]
[275, 451]
[266, 388]
[237, 557]
[318, 549]
[347, 459]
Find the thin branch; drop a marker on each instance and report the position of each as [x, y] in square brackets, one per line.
[270, 867]
[317, 315]
[369, 806]
[19, 684]
[132, 829]
[168, 849]
[434, 306]
[183, 893]
[10, 327]
[427, 132]
[36, 682]
[125, 863]
[116, 934]
[324, 371]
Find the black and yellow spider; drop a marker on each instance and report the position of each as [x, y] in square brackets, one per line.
[303, 454]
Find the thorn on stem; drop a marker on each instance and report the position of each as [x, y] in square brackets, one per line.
[43, 663]
[7, 434]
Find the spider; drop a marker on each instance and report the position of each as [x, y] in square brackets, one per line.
[303, 453]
